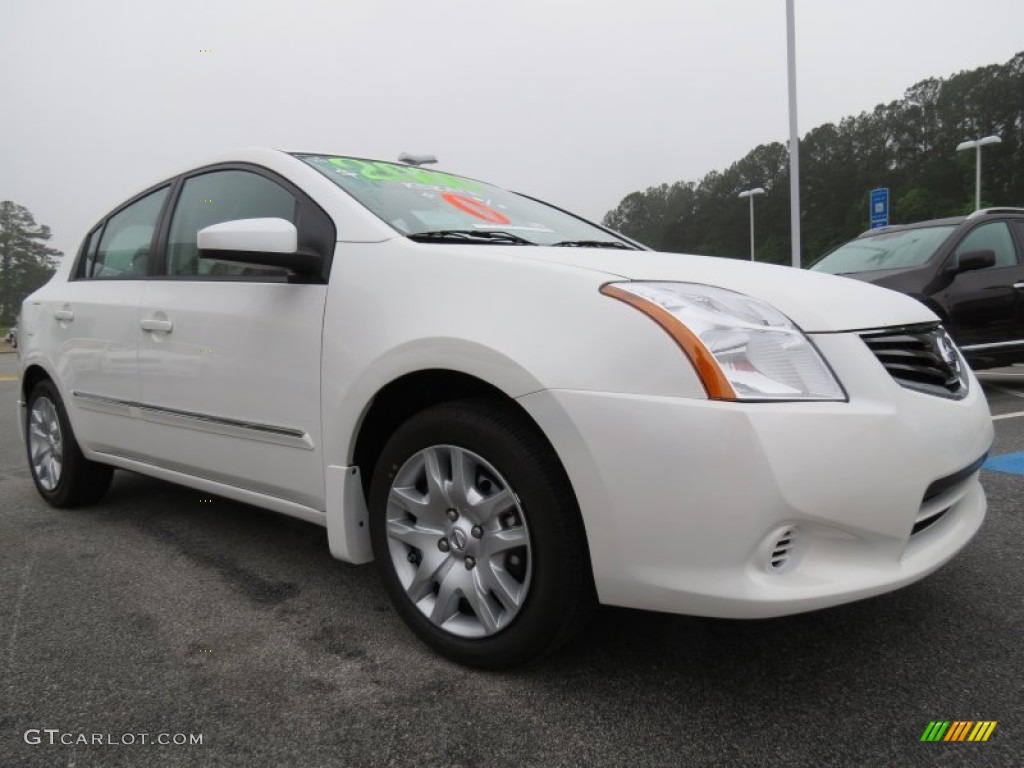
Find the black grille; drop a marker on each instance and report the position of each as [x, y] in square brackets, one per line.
[928, 522]
[920, 357]
[943, 484]
[927, 517]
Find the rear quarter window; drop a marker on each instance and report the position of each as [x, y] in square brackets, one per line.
[121, 247]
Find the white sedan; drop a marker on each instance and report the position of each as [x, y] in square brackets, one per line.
[515, 412]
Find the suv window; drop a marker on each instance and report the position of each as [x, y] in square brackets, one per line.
[1019, 226]
[123, 248]
[218, 196]
[886, 250]
[993, 236]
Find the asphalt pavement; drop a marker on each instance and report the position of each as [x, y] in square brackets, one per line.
[164, 613]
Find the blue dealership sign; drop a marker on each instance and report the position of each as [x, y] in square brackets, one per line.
[878, 209]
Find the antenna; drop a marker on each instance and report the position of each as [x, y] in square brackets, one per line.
[408, 159]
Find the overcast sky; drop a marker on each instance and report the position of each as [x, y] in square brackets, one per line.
[578, 102]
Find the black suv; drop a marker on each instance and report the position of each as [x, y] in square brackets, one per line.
[969, 270]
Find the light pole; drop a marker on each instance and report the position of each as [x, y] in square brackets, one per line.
[794, 136]
[749, 193]
[977, 144]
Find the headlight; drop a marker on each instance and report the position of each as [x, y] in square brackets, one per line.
[742, 348]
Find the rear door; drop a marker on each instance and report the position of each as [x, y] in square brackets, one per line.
[986, 307]
[98, 327]
[229, 353]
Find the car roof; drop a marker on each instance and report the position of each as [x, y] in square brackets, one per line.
[948, 221]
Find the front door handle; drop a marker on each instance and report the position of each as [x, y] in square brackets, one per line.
[1019, 286]
[157, 326]
[66, 315]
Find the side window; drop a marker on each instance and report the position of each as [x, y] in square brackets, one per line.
[123, 248]
[1018, 224]
[994, 236]
[223, 196]
[91, 246]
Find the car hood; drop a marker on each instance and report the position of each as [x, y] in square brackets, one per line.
[815, 301]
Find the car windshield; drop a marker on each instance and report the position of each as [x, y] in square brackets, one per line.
[433, 206]
[886, 250]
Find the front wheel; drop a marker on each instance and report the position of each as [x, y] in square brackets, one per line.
[63, 476]
[477, 535]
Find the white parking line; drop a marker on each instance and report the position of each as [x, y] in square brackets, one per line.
[1006, 380]
[11, 645]
[1013, 415]
[1013, 392]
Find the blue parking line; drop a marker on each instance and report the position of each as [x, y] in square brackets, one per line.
[1010, 463]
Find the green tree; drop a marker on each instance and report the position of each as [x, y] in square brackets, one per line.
[908, 145]
[26, 262]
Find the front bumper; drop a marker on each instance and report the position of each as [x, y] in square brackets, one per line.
[766, 509]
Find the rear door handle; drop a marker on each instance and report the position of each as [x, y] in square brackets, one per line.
[64, 314]
[157, 326]
[1019, 286]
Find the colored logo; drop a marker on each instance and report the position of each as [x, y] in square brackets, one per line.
[958, 730]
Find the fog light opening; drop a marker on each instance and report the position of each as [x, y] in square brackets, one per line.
[782, 550]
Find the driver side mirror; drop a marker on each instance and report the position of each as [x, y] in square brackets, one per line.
[973, 260]
[266, 242]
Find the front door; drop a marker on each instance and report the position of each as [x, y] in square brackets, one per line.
[229, 354]
[985, 306]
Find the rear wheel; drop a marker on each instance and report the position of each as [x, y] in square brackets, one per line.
[63, 476]
[478, 537]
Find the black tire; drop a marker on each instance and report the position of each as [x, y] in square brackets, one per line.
[560, 594]
[79, 481]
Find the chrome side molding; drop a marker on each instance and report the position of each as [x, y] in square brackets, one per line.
[202, 422]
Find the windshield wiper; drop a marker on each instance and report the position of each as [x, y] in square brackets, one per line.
[594, 244]
[494, 236]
